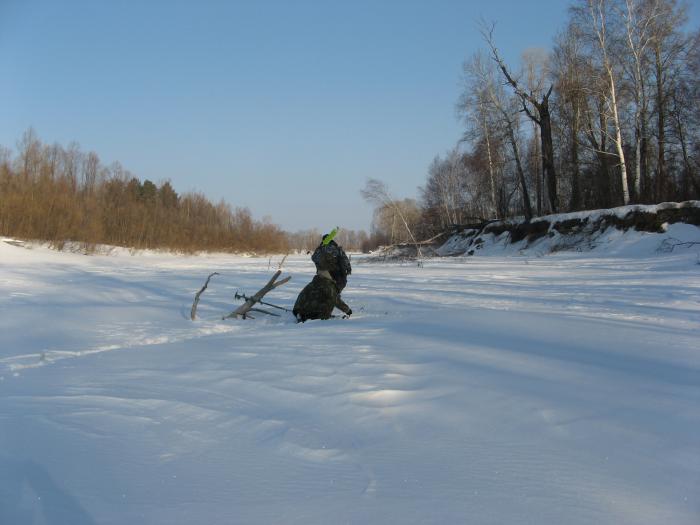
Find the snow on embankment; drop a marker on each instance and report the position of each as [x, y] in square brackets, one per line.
[625, 230]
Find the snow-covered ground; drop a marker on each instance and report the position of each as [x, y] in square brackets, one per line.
[490, 390]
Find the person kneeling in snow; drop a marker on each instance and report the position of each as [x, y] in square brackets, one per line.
[331, 256]
[318, 298]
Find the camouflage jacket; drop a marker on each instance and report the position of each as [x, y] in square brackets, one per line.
[318, 298]
[333, 259]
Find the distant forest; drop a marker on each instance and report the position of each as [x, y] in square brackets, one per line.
[609, 116]
[56, 194]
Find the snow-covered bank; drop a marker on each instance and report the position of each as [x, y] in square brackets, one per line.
[486, 390]
[604, 231]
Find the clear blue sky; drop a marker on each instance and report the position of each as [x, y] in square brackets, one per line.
[286, 107]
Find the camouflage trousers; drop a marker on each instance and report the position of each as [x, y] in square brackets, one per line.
[317, 300]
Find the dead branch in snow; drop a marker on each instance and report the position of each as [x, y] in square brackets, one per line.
[193, 313]
[249, 305]
[667, 245]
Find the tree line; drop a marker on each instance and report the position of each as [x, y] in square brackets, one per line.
[609, 116]
[58, 194]
[61, 194]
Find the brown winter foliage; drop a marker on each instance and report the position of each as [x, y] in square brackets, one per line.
[58, 194]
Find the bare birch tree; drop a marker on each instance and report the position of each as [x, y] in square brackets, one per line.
[598, 11]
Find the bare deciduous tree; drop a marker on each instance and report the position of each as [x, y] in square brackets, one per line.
[376, 192]
[598, 11]
[539, 113]
[483, 82]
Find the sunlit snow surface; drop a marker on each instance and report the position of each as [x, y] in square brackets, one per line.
[490, 390]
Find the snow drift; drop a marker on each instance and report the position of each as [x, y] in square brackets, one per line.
[485, 390]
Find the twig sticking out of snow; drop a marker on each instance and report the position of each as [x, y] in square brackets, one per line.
[193, 313]
[282, 262]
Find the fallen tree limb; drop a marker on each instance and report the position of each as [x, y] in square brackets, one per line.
[245, 298]
[667, 245]
[193, 312]
[242, 311]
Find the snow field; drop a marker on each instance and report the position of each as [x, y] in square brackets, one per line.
[559, 389]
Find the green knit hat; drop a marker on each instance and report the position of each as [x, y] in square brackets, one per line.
[330, 236]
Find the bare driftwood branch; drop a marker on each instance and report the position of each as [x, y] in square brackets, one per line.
[667, 245]
[249, 305]
[245, 298]
[193, 313]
